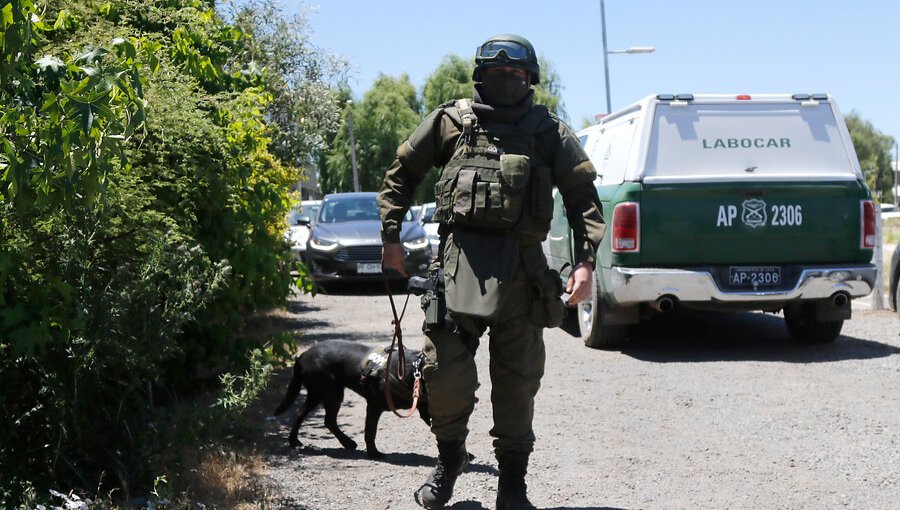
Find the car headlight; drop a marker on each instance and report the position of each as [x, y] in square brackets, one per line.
[416, 244]
[322, 245]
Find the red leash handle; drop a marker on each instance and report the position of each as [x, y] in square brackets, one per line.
[401, 361]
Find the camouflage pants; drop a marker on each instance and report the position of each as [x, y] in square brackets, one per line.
[516, 349]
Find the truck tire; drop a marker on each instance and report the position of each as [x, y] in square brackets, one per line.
[897, 300]
[896, 296]
[593, 318]
[805, 328]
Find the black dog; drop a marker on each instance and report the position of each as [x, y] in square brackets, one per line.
[328, 367]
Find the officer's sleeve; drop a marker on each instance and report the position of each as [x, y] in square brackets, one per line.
[415, 157]
[574, 177]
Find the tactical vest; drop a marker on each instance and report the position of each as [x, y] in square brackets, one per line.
[496, 180]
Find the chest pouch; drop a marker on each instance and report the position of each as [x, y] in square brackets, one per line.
[484, 189]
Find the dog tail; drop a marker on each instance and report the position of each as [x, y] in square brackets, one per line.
[293, 390]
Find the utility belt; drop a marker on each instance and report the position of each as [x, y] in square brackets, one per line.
[479, 271]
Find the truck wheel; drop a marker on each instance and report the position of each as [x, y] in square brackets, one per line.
[897, 300]
[593, 318]
[896, 296]
[804, 327]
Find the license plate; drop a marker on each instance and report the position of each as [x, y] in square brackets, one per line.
[755, 276]
[368, 267]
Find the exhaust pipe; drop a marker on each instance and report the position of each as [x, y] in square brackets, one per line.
[664, 304]
[840, 299]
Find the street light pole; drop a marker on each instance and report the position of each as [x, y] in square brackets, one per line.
[606, 53]
[352, 145]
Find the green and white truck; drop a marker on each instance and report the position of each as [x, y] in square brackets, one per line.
[724, 203]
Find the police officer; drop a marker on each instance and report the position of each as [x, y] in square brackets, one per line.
[499, 155]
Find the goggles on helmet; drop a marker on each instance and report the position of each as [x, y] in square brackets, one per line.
[510, 50]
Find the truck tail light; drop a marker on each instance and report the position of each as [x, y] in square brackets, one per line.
[626, 228]
[867, 225]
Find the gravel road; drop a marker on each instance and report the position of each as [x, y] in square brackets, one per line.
[700, 411]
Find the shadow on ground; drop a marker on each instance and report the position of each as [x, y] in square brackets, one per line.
[365, 288]
[476, 505]
[687, 336]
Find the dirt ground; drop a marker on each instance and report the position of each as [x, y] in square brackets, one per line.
[698, 411]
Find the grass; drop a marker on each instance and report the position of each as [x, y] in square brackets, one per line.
[890, 231]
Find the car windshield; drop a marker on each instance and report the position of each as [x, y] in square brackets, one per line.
[343, 210]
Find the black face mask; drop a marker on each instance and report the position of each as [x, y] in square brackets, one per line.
[504, 88]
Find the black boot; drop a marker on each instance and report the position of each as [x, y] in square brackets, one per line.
[437, 490]
[511, 491]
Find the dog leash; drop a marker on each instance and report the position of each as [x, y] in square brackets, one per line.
[401, 361]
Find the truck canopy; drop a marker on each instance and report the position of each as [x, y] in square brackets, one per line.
[747, 141]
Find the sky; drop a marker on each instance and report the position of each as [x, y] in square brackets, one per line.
[850, 50]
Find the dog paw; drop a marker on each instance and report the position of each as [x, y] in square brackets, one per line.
[295, 443]
[374, 454]
[349, 445]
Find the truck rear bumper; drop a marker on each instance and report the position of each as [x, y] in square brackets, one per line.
[639, 285]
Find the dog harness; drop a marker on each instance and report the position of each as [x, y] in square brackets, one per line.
[374, 371]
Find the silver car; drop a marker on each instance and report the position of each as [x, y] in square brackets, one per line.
[345, 243]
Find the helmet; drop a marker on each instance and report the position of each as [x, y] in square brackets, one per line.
[507, 50]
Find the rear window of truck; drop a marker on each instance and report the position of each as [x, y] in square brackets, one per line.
[746, 141]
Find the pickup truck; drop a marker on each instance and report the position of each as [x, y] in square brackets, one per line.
[724, 203]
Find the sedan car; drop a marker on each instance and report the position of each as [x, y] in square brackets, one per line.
[345, 243]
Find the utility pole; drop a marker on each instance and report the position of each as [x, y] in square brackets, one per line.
[895, 168]
[605, 55]
[352, 145]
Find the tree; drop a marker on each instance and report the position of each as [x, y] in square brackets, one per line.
[384, 118]
[303, 114]
[549, 91]
[873, 148]
[136, 236]
[451, 80]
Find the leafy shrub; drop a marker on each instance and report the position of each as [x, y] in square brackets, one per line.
[141, 218]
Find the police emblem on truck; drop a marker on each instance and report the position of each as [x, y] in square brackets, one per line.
[754, 213]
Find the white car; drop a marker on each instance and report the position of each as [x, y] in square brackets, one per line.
[297, 233]
[426, 217]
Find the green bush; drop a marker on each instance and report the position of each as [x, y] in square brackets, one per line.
[141, 217]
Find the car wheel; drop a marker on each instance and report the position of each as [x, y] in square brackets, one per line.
[897, 300]
[594, 317]
[805, 328]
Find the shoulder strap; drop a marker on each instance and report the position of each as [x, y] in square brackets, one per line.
[534, 121]
[467, 116]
